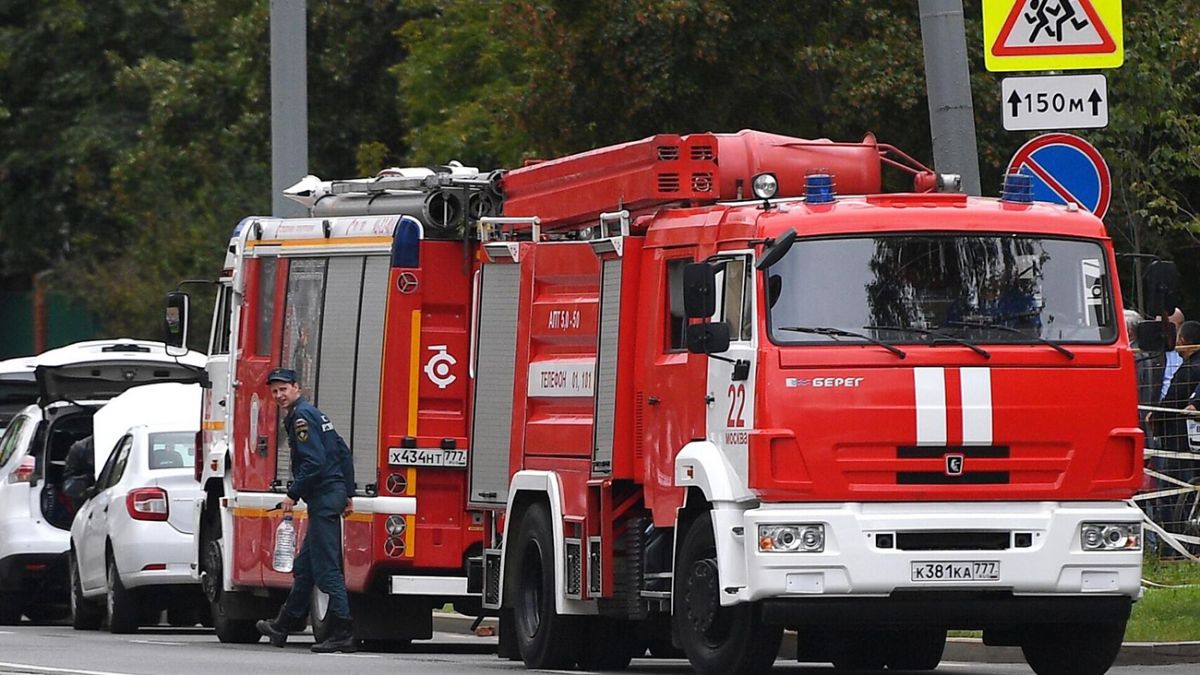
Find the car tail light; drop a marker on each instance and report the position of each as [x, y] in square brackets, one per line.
[24, 471]
[147, 504]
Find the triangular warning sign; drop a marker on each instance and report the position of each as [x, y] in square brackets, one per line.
[1053, 27]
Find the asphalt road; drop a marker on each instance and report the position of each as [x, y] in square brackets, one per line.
[60, 650]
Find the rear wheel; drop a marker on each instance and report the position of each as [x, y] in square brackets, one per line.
[1073, 649]
[123, 610]
[608, 644]
[85, 614]
[716, 639]
[546, 639]
[228, 630]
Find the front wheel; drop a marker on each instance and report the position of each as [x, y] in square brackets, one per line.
[546, 639]
[228, 630]
[1073, 649]
[716, 639]
[10, 608]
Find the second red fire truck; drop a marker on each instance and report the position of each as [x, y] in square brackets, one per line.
[680, 393]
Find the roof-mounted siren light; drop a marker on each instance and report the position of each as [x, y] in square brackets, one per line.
[819, 188]
[1017, 188]
[306, 192]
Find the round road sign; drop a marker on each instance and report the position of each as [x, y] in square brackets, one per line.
[1065, 168]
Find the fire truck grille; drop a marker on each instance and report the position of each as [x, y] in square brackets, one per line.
[574, 568]
[667, 153]
[491, 568]
[957, 465]
[702, 182]
[703, 152]
[953, 541]
[668, 182]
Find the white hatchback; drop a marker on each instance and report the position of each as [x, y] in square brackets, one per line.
[131, 542]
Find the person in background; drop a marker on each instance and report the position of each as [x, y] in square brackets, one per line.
[323, 476]
[79, 470]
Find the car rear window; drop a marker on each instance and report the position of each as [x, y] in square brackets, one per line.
[172, 450]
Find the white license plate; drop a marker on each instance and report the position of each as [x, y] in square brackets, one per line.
[427, 457]
[970, 570]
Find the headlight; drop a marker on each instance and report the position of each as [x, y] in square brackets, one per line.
[791, 538]
[764, 185]
[1111, 536]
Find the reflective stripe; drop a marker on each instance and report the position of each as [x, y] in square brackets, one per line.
[930, 388]
[977, 406]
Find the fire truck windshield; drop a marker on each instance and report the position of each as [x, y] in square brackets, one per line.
[921, 288]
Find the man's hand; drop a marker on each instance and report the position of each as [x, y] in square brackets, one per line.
[349, 507]
[287, 504]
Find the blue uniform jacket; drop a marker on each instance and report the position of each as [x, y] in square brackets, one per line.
[320, 458]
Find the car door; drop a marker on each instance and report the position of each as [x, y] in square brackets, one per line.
[95, 528]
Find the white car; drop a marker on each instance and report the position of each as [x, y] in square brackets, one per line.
[18, 388]
[35, 516]
[131, 542]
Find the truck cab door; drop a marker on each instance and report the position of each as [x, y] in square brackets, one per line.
[730, 383]
[671, 402]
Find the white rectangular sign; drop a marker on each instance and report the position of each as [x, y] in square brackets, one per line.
[1054, 102]
[562, 379]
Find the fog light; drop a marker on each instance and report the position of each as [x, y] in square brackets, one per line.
[1111, 536]
[791, 538]
[764, 185]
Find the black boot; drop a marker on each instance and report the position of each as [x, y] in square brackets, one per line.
[277, 630]
[341, 637]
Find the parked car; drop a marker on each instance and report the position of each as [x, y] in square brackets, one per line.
[131, 541]
[35, 515]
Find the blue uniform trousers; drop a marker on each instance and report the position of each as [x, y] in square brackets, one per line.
[320, 560]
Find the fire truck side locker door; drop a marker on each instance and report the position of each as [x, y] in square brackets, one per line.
[606, 367]
[496, 360]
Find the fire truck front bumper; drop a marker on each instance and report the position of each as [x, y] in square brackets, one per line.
[1023, 551]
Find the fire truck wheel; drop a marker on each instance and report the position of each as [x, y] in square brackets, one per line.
[507, 646]
[546, 639]
[916, 649]
[228, 630]
[1073, 649]
[318, 614]
[716, 639]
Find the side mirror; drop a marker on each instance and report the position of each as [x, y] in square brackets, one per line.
[1154, 336]
[699, 290]
[176, 319]
[710, 337]
[1160, 280]
[776, 250]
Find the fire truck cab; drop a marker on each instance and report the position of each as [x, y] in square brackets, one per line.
[712, 398]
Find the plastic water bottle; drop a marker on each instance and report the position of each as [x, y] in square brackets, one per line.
[285, 545]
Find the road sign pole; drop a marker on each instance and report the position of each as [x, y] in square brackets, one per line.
[948, 81]
[289, 103]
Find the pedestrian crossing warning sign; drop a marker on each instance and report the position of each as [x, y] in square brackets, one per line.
[1052, 34]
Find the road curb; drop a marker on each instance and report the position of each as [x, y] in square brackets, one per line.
[957, 649]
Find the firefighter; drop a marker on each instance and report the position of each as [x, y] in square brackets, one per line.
[323, 476]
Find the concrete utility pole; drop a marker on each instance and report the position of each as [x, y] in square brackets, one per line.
[289, 103]
[948, 81]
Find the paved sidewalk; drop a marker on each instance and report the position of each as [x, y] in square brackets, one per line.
[957, 649]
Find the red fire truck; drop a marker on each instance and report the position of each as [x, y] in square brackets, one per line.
[713, 399]
[369, 300]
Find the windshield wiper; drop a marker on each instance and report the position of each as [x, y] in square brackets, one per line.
[942, 338]
[838, 332]
[1009, 329]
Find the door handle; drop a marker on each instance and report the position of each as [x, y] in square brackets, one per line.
[652, 400]
[262, 446]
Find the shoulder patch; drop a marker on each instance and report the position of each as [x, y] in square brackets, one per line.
[302, 434]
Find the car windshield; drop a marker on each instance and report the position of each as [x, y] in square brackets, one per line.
[920, 288]
[172, 450]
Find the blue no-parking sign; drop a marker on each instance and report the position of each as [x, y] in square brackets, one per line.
[1065, 168]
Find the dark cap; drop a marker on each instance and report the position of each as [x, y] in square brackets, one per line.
[281, 375]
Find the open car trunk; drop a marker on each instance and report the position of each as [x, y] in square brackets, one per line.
[64, 425]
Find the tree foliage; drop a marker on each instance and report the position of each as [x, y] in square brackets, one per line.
[135, 135]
